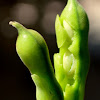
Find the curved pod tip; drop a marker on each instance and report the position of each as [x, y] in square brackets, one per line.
[16, 24]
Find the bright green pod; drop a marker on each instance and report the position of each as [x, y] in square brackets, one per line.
[33, 51]
[72, 62]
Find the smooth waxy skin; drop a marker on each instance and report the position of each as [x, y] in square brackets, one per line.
[72, 61]
[33, 51]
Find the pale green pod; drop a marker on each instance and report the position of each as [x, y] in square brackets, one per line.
[72, 62]
[33, 51]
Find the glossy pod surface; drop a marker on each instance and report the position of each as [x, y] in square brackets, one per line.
[33, 52]
[72, 62]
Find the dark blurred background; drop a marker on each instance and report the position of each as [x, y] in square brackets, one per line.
[15, 79]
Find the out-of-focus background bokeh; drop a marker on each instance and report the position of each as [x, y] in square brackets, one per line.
[15, 79]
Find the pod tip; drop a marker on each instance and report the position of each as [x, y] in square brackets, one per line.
[10, 23]
[13, 23]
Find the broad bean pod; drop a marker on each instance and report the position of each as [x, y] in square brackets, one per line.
[72, 62]
[33, 51]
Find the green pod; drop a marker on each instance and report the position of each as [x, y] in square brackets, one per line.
[33, 51]
[72, 62]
